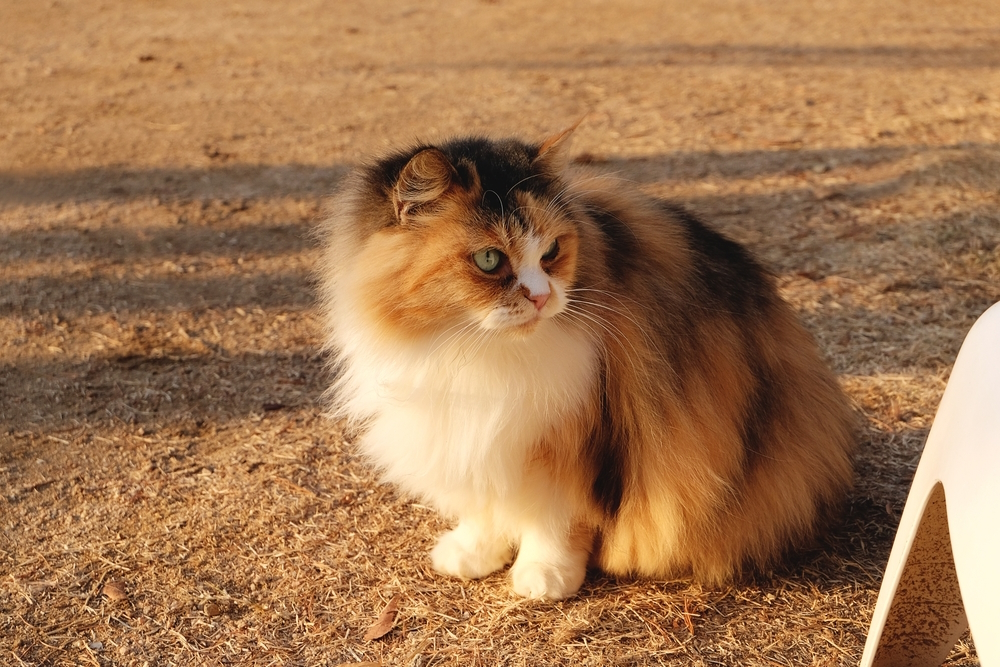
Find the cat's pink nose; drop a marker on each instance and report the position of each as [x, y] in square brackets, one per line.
[539, 300]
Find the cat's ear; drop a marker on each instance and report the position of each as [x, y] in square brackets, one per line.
[553, 154]
[425, 178]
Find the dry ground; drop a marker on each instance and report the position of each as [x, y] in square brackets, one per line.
[161, 164]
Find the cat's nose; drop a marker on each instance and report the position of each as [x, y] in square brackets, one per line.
[539, 300]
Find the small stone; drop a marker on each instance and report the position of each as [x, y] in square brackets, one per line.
[212, 609]
[115, 591]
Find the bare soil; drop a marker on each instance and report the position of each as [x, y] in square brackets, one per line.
[170, 493]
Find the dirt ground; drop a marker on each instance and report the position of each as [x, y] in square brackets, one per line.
[170, 493]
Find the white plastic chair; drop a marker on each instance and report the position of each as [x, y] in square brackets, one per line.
[943, 575]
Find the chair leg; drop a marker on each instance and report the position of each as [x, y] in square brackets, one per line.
[927, 616]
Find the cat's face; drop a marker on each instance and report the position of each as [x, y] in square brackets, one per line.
[522, 264]
[462, 257]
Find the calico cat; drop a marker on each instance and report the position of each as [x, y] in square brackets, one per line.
[574, 371]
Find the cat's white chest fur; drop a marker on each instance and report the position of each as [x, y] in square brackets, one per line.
[455, 423]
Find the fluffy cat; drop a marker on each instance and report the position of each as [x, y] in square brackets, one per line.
[573, 370]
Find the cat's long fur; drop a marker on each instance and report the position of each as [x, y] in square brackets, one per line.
[661, 413]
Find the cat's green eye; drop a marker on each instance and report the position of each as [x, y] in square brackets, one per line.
[553, 250]
[488, 259]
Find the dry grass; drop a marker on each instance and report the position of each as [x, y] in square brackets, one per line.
[170, 493]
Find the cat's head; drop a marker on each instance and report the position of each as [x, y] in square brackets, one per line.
[472, 233]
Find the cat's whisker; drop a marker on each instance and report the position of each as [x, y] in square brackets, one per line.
[576, 320]
[620, 298]
[483, 338]
[461, 329]
[523, 180]
[560, 203]
[581, 304]
[612, 330]
[623, 312]
[596, 328]
[462, 356]
[495, 194]
[575, 185]
[588, 322]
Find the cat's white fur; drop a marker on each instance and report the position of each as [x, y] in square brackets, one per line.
[453, 418]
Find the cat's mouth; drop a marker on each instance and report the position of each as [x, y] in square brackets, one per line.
[529, 326]
[520, 322]
[526, 327]
[518, 326]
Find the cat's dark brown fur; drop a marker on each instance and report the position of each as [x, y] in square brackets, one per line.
[661, 413]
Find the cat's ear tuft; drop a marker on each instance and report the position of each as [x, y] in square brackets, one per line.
[553, 154]
[424, 179]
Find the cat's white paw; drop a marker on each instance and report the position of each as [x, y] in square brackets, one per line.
[537, 580]
[458, 556]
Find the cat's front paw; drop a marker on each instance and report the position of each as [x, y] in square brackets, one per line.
[457, 556]
[538, 580]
